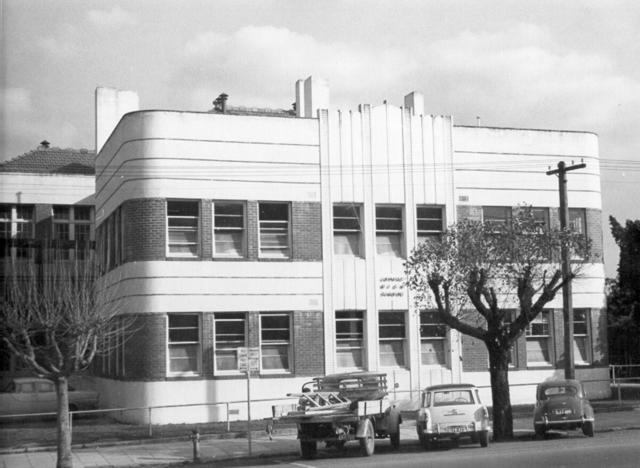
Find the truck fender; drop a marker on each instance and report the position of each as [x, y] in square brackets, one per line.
[362, 428]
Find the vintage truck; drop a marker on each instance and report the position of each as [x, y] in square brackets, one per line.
[337, 408]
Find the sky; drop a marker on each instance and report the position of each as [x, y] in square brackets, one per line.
[569, 65]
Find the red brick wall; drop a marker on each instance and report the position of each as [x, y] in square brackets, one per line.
[308, 343]
[145, 351]
[307, 231]
[145, 229]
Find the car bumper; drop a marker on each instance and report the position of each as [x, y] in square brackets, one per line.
[436, 433]
[550, 423]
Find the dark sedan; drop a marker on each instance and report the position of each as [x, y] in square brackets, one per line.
[562, 404]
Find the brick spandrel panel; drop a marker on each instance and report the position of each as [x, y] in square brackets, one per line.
[475, 357]
[145, 229]
[145, 351]
[469, 212]
[594, 231]
[307, 231]
[308, 344]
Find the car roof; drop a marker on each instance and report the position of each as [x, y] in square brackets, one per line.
[560, 383]
[450, 387]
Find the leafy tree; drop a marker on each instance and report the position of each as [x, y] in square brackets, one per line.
[52, 318]
[479, 273]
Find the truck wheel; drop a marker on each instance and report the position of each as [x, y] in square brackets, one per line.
[368, 443]
[484, 438]
[395, 440]
[308, 449]
[587, 428]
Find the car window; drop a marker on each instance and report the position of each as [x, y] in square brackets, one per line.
[559, 390]
[426, 399]
[455, 397]
[43, 387]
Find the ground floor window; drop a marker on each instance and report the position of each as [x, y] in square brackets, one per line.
[433, 339]
[275, 342]
[581, 336]
[184, 344]
[539, 343]
[350, 338]
[229, 335]
[392, 335]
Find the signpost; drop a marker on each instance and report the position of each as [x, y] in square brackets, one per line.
[248, 361]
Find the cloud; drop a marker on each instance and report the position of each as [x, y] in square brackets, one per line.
[15, 101]
[59, 48]
[111, 19]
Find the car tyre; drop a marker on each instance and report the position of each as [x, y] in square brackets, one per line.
[540, 432]
[587, 428]
[484, 439]
[395, 440]
[308, 449]
[368, 443]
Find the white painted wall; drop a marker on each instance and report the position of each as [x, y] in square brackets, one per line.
[46, 188]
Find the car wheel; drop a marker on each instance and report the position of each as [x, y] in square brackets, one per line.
[484, 438]
[395, 440]
[540, 432]
[587, 428]
[368, 443]
[308, 449]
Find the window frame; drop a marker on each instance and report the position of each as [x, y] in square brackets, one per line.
[358, 337]
[345, 231]
[242, 230]
[586, 336]
[493, 220]
[289, 248]
[197, 229]
[424, 234]
[380, 232]
[548, 337]
[227, 317]
[403, 340]
[443, 339]
[288, 343]
[198, 344]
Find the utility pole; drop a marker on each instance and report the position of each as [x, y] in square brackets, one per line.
[567, 302]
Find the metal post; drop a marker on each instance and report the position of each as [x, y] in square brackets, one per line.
[567, 304]
[150, 430]
[71, 423]
[249, 409]
[228, 421]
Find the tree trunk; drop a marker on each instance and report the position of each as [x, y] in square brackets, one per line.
[64, 429]
[502, 415]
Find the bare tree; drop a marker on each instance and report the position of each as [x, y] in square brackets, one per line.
[489, 281]
[55, 320]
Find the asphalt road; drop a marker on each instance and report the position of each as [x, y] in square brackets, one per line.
[572, 449]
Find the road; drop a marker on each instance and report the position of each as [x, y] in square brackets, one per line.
[608, 449]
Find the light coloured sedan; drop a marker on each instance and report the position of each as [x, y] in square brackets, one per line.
[27, 395]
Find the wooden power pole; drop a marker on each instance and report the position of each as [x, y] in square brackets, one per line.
[567, 303]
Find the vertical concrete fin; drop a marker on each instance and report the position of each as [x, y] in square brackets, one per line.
[110, 105]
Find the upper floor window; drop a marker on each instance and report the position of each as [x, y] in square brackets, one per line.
[72, 223]
[275, 342]
[229, 229]
[16, 221]
[182, 228]
[498, 217]
[433, 339]
[184, 344]
[230, 334]
[350, 338]
[430, 221]
[392, 335]
[578, 220]
[581, 336]
[538, 334]
[274, 230]
[347, 229]
[389, 226]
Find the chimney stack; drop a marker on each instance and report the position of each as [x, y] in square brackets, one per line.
[311, 94]
[111, 105]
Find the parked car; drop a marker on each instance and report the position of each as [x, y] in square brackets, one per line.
[562, 404]
[453, 412]
[24, 395]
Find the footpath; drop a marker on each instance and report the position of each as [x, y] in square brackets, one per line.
[611, 415]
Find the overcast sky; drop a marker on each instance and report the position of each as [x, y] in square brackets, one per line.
[572, 65]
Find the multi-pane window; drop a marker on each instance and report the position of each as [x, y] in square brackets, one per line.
[16, 221]
[430, 221]
[71, 223]
[578, 220]
[350, 338]
[230, 334]
[433, 339]
[498, 217]
[184, 343]
[274, 230]
[581, 339]
[182, 228]
[347, 229]
[539, 344]
[392, 336]
[275, 342]
[228, 229]
[389, 225]
[509, 317]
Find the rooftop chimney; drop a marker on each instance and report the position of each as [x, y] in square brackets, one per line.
[415, 101]
[111, 105]
[44, 144]
[311, 94]
[220, 104]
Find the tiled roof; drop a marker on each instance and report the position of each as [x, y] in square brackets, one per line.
[53, 161]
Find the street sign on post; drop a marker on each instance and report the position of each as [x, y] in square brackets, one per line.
[248, 361]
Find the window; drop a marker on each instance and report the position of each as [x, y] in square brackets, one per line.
[578, 223]
[275, 342]
[539, 340]
[430, 222]
[581, 338]
[274, 230]
[392, 333]
[389, 230]
[350, 338]
[498, 217]
[229, 333]
[509, 317]
[16, 222]
[228, 229]
[347, 228]
[184, 344]
[433, 337]
[182, 226]
[71, 223]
